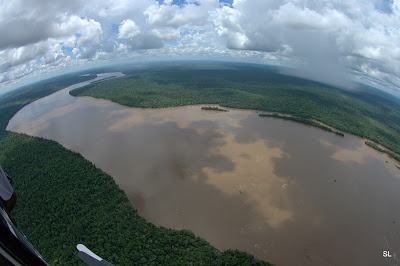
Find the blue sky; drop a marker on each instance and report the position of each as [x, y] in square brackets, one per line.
[330, 41]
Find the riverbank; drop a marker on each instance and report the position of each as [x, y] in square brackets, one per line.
[303, 121]
[63, 199]
[183, 157]
[389, 153]
[241, 87]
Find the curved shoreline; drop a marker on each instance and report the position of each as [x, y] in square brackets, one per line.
[359, 114]
[101, 78]
[58, 182]
[195, 108]
[267, 112]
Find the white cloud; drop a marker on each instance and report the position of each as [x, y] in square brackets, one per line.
[166, 33]
[291, 16]
[128, 29]
[18, 56]
[195, 13]
[27, 22]
[321, 34]
[329, 40]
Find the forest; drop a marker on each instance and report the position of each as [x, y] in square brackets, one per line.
[364, 112]
[63, 200]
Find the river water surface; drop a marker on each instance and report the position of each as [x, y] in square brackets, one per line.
[285, 192]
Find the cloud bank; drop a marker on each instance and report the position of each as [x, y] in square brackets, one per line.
[331, 41]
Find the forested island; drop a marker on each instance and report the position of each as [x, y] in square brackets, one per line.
[303, 121]
[208, 108]
[63, 200]
[365, 113]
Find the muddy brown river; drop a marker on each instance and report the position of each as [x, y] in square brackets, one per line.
[284, 192]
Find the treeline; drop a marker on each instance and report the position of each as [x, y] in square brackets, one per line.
[63, 200]
[209, 108]
[303, 121]
[365, 114]
[376, 147]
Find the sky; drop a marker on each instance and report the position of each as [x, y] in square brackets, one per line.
[330, 41]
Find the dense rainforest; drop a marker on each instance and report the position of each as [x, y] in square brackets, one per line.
[361, 112]
[63, 200]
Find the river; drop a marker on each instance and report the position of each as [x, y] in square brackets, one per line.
[287, 193]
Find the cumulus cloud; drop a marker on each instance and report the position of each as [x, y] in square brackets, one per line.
[17, 56]
[195, 14]
[329, 41]
[291, 16]
[128, 29]
[145, 41]
[27, 22]
[324, 37]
